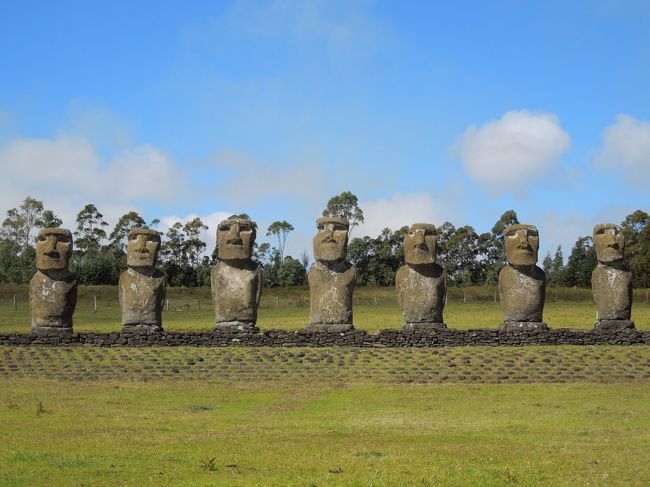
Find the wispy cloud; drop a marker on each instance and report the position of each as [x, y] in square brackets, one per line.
[246, 180]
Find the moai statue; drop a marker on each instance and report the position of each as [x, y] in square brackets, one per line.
[236, 278]
[522, 284]
[53, 289]
[142, 286]
[421, 283]
[331, 278]
[611, 280]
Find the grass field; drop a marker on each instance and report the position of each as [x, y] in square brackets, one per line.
[210, 416]
[288, 308]
[178, 416]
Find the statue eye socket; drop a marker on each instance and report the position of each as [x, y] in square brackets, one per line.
[224, 228]
[321, 227]
[245, 228]
[64, 240]
[338, 228]
[533, 234]
[42, 238]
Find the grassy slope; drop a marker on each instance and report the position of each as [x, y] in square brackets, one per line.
[289, 309]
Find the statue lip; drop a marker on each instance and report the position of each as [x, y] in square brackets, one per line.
[329, 240]
[422, 247]
[235, 241]
[52, 254]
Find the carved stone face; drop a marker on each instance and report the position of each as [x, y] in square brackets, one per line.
[142, 247]
[331, 241]
[53, 249]
[420, 244]
[522, 244]
[235, 238]
[609, 242]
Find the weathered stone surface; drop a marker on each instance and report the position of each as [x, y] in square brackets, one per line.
[611, 280]
[142, 296]
[331, 278]
[421, 284]
[613, 325]
[330, 289]
[142, 286]
[53, 289]
[236, 279]
[355, 338]
[522, 285]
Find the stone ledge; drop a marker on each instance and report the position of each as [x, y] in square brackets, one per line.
[352, 338]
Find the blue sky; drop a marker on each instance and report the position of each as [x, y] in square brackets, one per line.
[428, 111]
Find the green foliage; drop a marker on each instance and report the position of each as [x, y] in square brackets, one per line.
[636, 229]
[581, 264]
[280, 230]
[378, 259]
[20, 222]
[90, 229]
[49, 220]
[124, 225]
[345, 205]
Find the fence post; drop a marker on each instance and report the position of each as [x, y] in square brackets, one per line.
[167, 304]
[374, 298]
[277, 300]
[465, 296]
[15, 307]
[199, 304]
[95, 303]
[495, 295]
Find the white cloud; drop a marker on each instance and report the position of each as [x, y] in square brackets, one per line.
[518, 146]
[67, 173]
[626, 148]
[400, 210]
[251, 180]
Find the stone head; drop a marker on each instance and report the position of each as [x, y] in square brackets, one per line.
[609, 242]
[420, 244]
[235, 239]
[522, 244]
[53, 249]
[142, 247]
[331, 241]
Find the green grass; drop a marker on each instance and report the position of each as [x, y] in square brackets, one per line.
[489, 416]
[288, 308]
[198, 433]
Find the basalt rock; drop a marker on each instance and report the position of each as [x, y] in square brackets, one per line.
[421, 284]
[522, 285]
[331, 278]
[611, 280]
[142, 286]
[236, 279]
[53, 289]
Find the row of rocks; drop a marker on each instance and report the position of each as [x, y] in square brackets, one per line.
[353, 338]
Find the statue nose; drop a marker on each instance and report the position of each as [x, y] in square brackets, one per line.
[50, 246]
[419, 238]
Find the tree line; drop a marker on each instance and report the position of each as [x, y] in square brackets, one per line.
[99, 255]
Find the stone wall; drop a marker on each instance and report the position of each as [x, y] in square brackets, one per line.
[354, 338]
